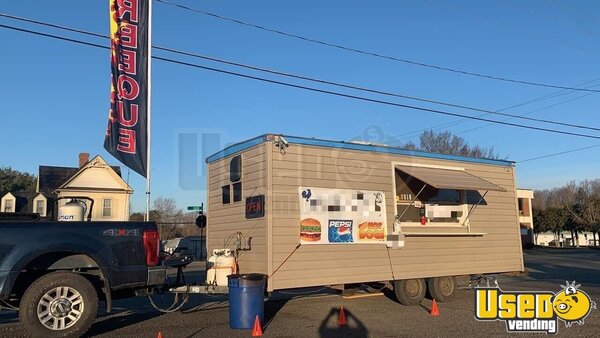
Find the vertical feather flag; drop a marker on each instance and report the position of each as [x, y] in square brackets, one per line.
[127, 132]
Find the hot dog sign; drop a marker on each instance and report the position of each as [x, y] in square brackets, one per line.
[341, 216]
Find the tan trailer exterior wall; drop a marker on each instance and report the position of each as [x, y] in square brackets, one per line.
[227, 219]
[265, 170]
[499, 250]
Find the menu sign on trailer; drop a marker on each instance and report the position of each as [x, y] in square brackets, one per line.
[341, 216]
[127, 132]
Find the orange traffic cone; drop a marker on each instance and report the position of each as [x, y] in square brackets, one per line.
[257, 332]
[159, 335]
[434, 309]
[342, 317]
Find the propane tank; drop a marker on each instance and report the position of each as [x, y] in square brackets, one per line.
[220, 265]
[72, 211]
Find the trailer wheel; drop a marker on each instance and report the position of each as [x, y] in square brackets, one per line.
[442, 289]
[410, 291]
[59, 304]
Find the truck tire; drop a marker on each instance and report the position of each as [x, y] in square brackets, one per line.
[442, 289]
[59, 304]
[410, 291]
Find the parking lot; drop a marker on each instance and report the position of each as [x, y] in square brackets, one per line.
[315, 314]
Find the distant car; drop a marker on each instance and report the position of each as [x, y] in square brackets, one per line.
[55, 273]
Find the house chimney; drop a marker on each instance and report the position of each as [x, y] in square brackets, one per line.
[83, 159]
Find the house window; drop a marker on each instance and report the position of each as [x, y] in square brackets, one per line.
[237, 191]
[520, 206]
[107, 207]
[9, 206]
[39, 207]
[226, 192]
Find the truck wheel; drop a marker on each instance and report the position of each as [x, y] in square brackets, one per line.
[442, 289]
[59, 304]
[410, 291]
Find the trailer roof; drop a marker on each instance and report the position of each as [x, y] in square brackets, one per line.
[376, 148]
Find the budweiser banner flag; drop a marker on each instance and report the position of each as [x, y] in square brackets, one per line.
[127, 132]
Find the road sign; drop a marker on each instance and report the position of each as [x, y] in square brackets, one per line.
[196, 208]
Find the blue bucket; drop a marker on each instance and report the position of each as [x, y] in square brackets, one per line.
[246, 299]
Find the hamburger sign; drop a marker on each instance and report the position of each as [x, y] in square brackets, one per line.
[341, 216]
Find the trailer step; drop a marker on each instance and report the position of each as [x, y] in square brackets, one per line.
[363, 295]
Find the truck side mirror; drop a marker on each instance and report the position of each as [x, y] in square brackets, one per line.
[201, 221]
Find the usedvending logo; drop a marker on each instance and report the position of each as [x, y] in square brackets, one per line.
[533, 311]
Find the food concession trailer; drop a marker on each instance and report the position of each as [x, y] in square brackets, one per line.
[312, 212]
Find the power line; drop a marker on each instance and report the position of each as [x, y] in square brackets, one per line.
[312, 89]
[559, 153]
[531, 112]
[460, 121]
[306, 78]
[364, 52]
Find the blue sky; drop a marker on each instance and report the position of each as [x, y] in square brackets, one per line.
[56, 95]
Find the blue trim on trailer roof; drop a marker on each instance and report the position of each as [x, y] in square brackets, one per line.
[237, 147]
[241, 146]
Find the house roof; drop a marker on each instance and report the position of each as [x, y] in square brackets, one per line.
[96, 162]
[52, 177]
[376, 148]
[48, 195]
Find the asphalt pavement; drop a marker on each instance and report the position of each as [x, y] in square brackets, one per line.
[314, 312]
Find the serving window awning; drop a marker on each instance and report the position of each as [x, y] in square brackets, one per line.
[449, 179]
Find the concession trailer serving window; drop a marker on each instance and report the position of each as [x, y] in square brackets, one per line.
[434, 195]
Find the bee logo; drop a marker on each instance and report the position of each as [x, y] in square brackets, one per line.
[572, 305]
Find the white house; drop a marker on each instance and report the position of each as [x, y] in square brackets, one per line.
[94, 179]
[100, 182]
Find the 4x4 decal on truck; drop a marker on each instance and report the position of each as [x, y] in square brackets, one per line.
[121, 232]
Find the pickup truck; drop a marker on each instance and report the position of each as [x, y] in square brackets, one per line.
[55, 273]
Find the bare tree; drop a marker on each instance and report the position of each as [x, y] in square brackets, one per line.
[588, 205]
[168, 217]
[445, 142]
[172, 222]
[580, 202]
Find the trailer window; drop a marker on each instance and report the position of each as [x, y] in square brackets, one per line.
[235, 169]
[435, 206]
[226, 192]
[237, 191]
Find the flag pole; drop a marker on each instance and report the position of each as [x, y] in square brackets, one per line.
[149, 113]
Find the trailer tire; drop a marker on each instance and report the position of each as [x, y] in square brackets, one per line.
[442, 289]
[59, 304]
[410, 291]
